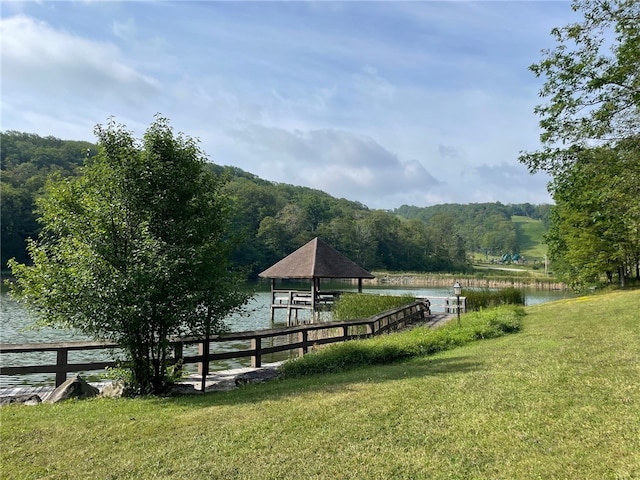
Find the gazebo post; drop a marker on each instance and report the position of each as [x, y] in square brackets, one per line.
[273, 299]
[315, 286]
[360, 285]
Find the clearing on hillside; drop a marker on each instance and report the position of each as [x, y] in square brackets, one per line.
[529, 234]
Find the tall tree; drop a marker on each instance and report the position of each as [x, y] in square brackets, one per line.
[135, 250]
[596, 218]
[592, 83]
[590, 130]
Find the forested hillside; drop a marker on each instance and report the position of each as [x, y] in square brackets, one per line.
[27, 161]
[274, 219]
[485, 227]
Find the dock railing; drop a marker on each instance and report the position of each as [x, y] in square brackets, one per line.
[446, 304]
[299, 339]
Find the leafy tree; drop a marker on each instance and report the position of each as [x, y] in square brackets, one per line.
[135, 250]
[592, 83]
[596, 227]
[317, 210]
[365, 243]
[276, 240]
[252, 200]
[590, 130]
[449, 251]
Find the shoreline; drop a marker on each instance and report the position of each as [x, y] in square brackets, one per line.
[218, 380]
[446, 280]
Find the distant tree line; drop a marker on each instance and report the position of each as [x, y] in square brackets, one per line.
[273, 219]
[484, 227]
[27, 160]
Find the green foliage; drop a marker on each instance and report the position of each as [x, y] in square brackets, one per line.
[272, 219]
[591, 83]
[416, 342]
[480, 299]
[351, 306]
[595, 233]
[26, 161]
[135, 250]
[591, 142]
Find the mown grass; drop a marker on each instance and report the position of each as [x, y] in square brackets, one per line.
[530, 234]
[560, 399]
[417, 342]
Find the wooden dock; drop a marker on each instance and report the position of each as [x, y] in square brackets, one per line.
[295, 301]
[226, 379]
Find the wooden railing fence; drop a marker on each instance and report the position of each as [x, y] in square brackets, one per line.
[446, 304]
[300, 338]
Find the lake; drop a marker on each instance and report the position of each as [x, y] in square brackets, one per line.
[15, 322]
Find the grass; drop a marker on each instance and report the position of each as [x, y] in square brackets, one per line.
[417, 342]
[478, 299]
[560, 399]
[529, 234]
[351, 306]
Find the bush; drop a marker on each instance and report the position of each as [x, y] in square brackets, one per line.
[417, 342]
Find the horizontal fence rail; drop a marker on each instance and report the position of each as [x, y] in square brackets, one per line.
[299, 338]
[446, 304]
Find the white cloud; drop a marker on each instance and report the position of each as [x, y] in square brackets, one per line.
[381, 102]
[65, 72]
[124, 30]
[341, 163]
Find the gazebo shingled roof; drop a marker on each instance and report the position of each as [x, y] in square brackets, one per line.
[316, 259]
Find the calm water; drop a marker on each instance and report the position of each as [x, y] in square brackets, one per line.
[15, 324]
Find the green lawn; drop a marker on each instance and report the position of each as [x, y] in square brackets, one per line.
[529, 233]
[559, 400]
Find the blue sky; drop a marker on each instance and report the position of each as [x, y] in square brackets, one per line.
[385, 103]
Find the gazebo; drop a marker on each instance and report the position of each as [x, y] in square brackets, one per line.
[313, 261]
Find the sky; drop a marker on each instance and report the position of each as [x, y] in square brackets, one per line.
[386, 103]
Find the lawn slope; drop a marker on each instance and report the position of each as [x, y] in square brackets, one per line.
[560, 399]
[529, 233]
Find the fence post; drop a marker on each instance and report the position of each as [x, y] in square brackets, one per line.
[178, 355]
[61, 366]
[369, 329]
[256, 346]
[303, 337]
[203, 349]
[178, 351]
